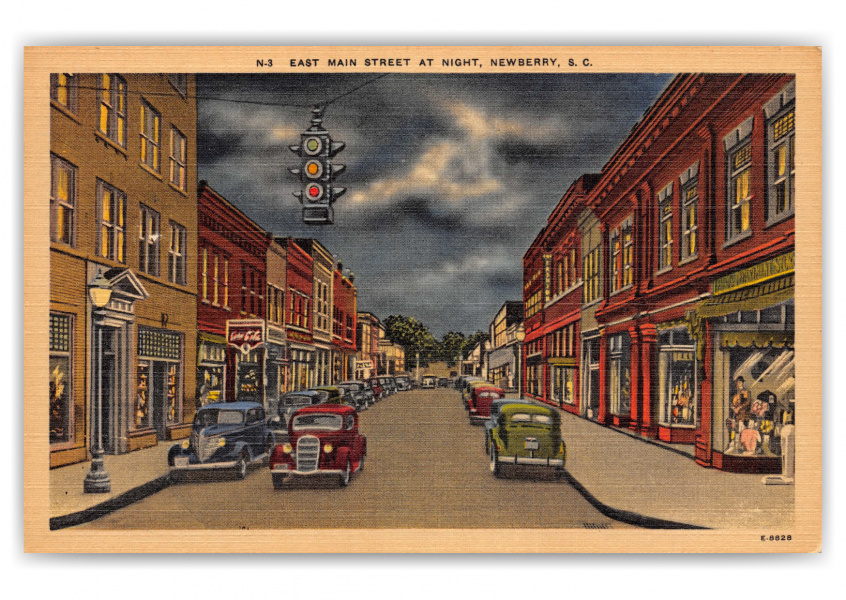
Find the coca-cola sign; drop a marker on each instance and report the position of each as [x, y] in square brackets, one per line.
[245, 335]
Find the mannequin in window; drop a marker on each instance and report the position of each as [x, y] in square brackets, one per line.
[741, 401]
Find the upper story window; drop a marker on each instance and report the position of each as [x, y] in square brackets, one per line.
[590, 273]
[178, 159]
[533, 304]
[62, 200]
[111, 211]
[112, 98]
[63, 90]
[150, 136]
[665, 227]
[179, 81]
[148, 241]
[690, 211]
[177, 254]
[738, 145]
[622, 256]
[781, 145]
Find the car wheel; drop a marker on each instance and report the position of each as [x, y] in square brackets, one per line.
[269, 444]
[278, 480]
[361, 464]
[487, 444]
[496, 468]
[345, 475]
[241, 466]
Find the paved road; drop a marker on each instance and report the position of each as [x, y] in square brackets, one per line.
[426, 468]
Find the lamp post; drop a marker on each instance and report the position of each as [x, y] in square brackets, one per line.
[521, 335]
[97, 479]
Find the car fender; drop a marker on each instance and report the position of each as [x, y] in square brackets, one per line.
[342, 456]
[174, 451]
[239, 447]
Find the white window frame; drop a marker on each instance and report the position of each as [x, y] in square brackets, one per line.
[177, 254]
[178, 159]
[116, 249]
[149, 240]
[112, 99]
[70, 83]
[151, 137]
[66, 205]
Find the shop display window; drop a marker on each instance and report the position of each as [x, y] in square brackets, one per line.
[620, 374]
[173, 409]
[60, 379]
[563, 385]
[677, 378]
[142, 396]
[761, 398]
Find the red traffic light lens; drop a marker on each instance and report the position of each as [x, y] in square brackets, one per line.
[314, 191]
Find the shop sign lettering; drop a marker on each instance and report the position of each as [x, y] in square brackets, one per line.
[245, 338]
[780, 265]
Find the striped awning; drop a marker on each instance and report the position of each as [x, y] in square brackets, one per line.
[755, 297]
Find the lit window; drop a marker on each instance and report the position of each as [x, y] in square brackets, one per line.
[112, 98]
[781, 168]
[150, 136]
[111, 209]
[178, 159]
[665, 227]
[62, 200]
[63, 89]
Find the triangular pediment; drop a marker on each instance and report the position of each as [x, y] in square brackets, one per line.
[126, 284]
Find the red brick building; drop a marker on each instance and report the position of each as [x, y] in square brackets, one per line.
[686, 273]
[344, 315]
[232, 258]
[298, 311]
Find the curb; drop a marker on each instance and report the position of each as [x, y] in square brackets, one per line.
[625, 516]
[112, 504]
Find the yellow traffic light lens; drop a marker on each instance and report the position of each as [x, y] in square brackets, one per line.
[313, 168]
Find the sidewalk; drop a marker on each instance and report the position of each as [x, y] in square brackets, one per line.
[133, 476]
[658, 481]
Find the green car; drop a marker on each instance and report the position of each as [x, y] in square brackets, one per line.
[527, 434]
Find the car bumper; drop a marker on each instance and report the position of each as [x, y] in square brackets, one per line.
[477, 419]
[287, 470]
[525, 460]
[203, 466]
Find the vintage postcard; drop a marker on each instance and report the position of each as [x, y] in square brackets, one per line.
[422, 299]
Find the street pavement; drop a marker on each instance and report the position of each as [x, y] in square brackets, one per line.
[426, 468]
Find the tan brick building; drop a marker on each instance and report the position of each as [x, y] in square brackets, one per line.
[123, 203]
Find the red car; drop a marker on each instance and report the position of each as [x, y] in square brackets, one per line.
[378, 390]
[480, 400]
[322, 440]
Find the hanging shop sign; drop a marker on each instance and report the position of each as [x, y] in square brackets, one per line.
[299, 337]
[769, 269]
[245, 335]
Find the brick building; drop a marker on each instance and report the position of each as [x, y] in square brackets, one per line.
[298, 315]
[123, 176]
[369, 330]
[344, 315]
[686, 274]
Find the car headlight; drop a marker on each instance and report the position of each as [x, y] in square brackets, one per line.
[561, 449]
[327, 448]
[222, 442]
[287, 448]
[186, 444]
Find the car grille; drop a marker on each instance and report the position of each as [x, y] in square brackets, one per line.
[308, 453]
[206, 446]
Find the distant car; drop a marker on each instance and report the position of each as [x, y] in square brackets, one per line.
[332, 394]
[527, 435]
[224, 435]
[323, 440]
[403, 383]
[378, 391]
[429, 382]
[444, 382]
[289, 403]
[479, 403]
[360, 398]
[389, 385]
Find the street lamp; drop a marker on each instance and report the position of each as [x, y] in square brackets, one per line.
[97, 480]
[520, 335]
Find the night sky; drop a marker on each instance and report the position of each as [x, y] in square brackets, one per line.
[449, 177]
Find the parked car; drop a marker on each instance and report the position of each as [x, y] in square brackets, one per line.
[479, 403]
[360, 398]
[444, 382]
[403, 383]
[224, 435]
[323, 440]
[527, 435]
[290, 402]
[332, 394]
[493, 419]
[429, 382]
[389, 385]
[468, 389]
[378, 391]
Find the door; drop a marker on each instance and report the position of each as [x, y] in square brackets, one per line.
[158, 398]
[108, 389]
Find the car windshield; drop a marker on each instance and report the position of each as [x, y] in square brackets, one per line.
[214, 416]
[297, 400]
[318, 421]
[527, 418]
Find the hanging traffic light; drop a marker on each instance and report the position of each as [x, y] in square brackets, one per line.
[316, 172]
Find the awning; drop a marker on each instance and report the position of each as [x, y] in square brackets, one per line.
[756, 339]
[566, 361]
[754, 297]
[212, 338]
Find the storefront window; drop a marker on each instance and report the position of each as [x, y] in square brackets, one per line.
[142, 396]
[563, 385]
[620, 374]
[249, 372]
[210, 384]
[173, 409]
[60, 380]
[677, 378]
[761, 398]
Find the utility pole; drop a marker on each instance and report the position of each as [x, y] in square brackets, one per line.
[418, 366]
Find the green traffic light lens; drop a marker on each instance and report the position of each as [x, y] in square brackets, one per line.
[312, 145]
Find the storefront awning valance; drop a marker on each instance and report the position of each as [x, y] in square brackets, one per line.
[563, 361]
[754, 297]
[757, 339]
[212, 338]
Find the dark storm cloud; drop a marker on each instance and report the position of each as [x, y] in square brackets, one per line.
[450, 177]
